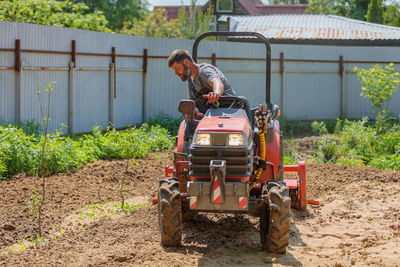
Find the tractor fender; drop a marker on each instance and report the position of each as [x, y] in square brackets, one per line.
[181, 133]
[272, 151]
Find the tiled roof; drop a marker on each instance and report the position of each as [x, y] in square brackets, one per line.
[306, 27]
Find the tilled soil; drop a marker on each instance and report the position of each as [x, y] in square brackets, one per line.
[357, 223]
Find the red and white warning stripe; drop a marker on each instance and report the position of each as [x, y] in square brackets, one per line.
[217, 192]
[193, 202]
[242, 202]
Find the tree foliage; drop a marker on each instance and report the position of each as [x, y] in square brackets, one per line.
[378, 86]
[154, 24]
[391, 15]
[54, 13]
[355, 9]
[188, 25]
[288, 2]
[117, 11]
[375, 11]
[193, 23]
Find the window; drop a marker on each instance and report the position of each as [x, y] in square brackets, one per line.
[225, 5]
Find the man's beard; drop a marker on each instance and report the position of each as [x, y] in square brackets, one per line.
[186, 72]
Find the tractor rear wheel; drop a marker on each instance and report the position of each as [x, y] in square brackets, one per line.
[275, 218]
[170, 212]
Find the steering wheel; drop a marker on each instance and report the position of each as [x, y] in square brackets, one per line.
[236, 101]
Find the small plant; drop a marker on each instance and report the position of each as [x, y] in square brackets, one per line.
[319, 128]
[38, 201]
[379, 84]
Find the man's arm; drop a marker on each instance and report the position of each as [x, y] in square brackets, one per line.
[218, 90]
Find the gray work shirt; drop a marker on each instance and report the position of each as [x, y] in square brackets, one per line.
[201, 85]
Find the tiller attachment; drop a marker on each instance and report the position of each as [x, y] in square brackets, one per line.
[297, 187]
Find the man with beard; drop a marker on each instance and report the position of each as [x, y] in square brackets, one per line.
[203, 79]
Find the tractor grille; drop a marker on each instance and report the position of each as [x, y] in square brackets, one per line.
[239, 161]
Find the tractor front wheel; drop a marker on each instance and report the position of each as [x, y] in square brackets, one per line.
[275, 218]
[170, 212]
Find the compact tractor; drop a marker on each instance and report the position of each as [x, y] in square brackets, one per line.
[234, 165]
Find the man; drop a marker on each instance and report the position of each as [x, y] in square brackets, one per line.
[203, 79]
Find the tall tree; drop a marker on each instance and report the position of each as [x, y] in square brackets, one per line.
[154, 24]
[375, 11]
[321, 7]
[392, 14]
[358, 9]
[188, 25]
[117, 11]
[54, 13]
[195, 22]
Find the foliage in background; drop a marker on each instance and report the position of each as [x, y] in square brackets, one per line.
[295, 128]
[375, 12]
[20, 153]
[188, 25]
[193, 23]
[166, 121]
[30, 127]
[288, 2]
[391, 15]
[154, 24]
[378, 86]
[116, 11]
[54, 13]
[387, 12]
[361, 144]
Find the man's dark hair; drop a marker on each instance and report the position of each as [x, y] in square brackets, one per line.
[178, 56]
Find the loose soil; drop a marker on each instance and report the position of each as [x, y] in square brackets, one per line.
[357, 223]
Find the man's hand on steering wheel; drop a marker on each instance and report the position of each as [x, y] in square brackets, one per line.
[213, 97]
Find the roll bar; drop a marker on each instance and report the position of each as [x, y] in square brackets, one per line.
[249, 34]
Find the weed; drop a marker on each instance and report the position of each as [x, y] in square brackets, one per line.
[22, 248]
[11, 248]
[37, 240]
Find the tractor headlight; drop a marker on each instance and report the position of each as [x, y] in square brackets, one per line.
[203, 139]
[235, 140]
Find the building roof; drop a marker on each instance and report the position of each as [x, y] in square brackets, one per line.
[256, 7]
[312, 27]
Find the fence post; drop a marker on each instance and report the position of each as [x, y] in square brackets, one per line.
[282, 74]
[214, 59]
[18, 76]
[144, 106]
[341, 77]
[111, 95]
[72, 65]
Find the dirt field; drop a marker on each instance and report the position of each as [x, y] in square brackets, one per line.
[357, 224]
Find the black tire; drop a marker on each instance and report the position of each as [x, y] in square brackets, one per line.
[275, 218]
[279, 173]
[170, 212]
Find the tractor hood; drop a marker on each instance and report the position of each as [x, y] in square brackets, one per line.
[226, 124]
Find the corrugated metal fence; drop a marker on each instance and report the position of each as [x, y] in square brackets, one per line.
[102, 78]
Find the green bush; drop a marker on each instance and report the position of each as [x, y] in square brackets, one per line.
[20, 153]
[166, 121]
[30, 127]
[360, 143]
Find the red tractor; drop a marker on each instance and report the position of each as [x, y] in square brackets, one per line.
[234, 165]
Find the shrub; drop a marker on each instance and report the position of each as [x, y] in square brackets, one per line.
[20, 153]
[166, 121]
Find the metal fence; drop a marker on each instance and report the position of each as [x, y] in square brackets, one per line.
[123, 80]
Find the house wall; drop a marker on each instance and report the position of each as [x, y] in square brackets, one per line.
[309, 88]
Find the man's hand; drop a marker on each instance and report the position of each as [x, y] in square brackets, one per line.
[213, 97]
